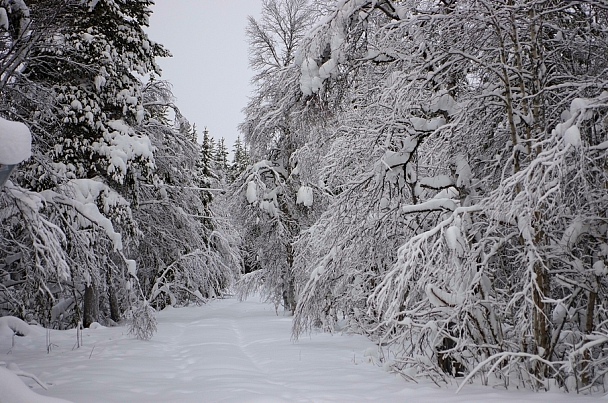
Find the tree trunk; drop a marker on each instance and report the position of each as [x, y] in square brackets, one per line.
[91, 305]
[587, 367]
[542, 336]
[289, 293]
[113, 299]
[541, 323]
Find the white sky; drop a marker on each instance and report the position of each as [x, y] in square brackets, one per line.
[209, 69]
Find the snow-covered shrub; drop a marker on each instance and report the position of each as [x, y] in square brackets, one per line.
[142, 320]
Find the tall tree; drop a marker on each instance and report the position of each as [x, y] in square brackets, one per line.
[274, 129]
[221, 157]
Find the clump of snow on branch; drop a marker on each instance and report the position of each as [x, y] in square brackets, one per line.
[121, 146]
[305, 196]
[15, 141]
[263, 187]
[252, 193]
[83, 195]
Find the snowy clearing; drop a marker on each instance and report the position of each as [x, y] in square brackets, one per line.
[225, 351]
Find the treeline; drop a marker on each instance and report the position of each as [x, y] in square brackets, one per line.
[114, 213]
[434, 175]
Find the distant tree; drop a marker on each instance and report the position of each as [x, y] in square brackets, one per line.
[207, 153]
[183, 255]
[240, 159]
[221, 154]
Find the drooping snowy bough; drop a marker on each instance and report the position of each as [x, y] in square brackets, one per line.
[468, 231]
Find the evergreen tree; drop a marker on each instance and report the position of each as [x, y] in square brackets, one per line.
[221, 155]
[94, 189]
[240, 160]
[194, 134]
[221, 159]
[205, 174]
[207, 156]
[76, 87]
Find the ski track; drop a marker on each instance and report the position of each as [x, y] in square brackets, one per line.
[226, 351]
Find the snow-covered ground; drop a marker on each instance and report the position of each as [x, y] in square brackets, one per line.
[225, 351]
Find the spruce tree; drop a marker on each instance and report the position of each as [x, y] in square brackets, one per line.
[206, 157]
[221, 159]
[76, 86]
[240, 159]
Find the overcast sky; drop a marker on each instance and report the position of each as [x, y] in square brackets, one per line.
[209, 69]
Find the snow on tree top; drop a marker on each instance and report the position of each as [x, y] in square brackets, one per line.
[15, 142]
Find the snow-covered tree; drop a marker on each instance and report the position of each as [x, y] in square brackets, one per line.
[94, 190]
[75, 86]
[221, 158]
[268, 207]
[454, 182]
[240, 159]
[183, 254]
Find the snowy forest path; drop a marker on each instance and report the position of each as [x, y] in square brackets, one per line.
[251, 357]
[224, 351]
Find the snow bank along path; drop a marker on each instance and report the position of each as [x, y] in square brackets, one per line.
[226, 351]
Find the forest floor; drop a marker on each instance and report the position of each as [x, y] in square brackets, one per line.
[224, 351]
